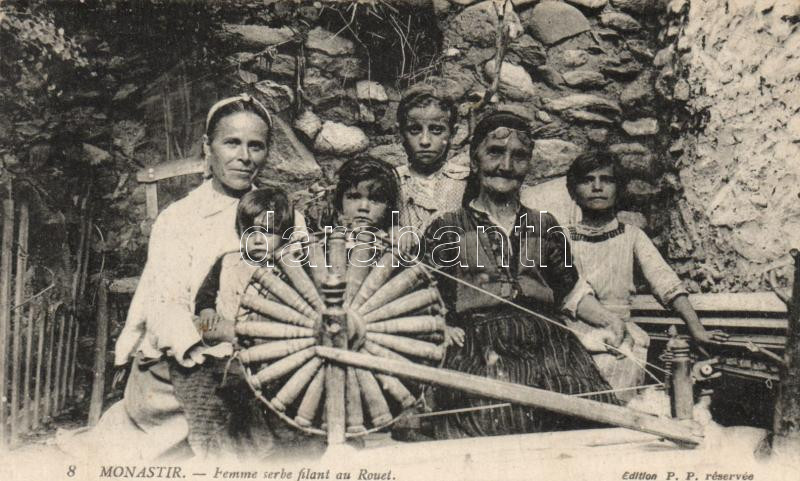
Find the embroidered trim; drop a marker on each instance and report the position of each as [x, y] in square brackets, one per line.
[575, 236]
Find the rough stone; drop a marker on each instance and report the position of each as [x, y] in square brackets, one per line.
[277, 97]
[584, 79]
[282, 65]
[261, 35]
[543, 116]
[591, 4]
[598, 136]
[635, 159]
[641, 190]
[347, 67]
[329, 43]
[645, 126]
[638, 92]
[589, 117]
[95, 155]
[515, 82]
[793, 128]
[477, 25]
[664, 56]
[320, 89]
[530, 51]
[391, 153]
[340, 139]
[365, 114]
[288, 156]
[626, 71]
[551, 21]
[550, 76]
[309, 124]
[582, 101]
[372, 91]
[640, 49]
[575, 58]
[553, 157]
[682, 90]
[632, 218]
[635, 6]
[620, 21]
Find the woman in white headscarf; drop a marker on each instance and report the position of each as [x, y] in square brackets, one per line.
[186, 239]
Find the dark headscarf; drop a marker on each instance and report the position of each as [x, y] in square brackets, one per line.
[486, 125]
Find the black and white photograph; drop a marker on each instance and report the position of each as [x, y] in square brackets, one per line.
[400, 240]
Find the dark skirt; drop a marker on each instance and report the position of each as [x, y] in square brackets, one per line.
[510, 345]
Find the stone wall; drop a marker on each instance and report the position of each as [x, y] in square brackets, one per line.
[733, 67]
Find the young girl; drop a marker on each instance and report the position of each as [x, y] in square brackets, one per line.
[604, 251]
[227, 419]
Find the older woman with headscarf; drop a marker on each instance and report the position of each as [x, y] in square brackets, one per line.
[503, 256]
[186, 240]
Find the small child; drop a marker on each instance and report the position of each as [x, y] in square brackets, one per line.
[605, 251]
[262, 217]
[224, 418]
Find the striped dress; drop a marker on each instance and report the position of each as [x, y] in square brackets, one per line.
[501, 341]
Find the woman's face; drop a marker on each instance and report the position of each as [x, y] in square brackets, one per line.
[503, 161]
[426, 136]
[361, 207]
[597, 190]
[237, 149]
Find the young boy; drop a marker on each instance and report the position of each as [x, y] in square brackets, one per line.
[604, 251]
[430, 184]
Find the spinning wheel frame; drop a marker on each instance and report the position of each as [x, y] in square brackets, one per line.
[376, 309]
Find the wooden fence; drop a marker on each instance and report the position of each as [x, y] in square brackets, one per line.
[38, 339]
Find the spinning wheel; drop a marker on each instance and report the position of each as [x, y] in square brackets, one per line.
[337, 293]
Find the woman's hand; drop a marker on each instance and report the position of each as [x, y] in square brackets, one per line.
[453, 335]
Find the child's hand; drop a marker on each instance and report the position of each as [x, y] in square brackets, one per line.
[215, 328]
[206, 321]
[453, 335]
[616, 328]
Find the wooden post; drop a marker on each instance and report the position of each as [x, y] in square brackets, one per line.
[28, 379]
[19, 296]
[70, 325]
[73, 363]
[786, 423]
[101, 343]
[5, 307]
[41, 320]
[51, 346]
[518, 394]
[335, 334]
[681, 392]
[62, 326]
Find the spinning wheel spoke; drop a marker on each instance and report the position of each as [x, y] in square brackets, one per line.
[420, 299]
[408, 325]
[348, 302]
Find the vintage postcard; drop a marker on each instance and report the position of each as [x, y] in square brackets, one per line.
[400, 240]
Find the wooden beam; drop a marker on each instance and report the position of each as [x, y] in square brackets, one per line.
[5, 304]
[100, 347]
[167, 170]
[519, 394]
[740, 322]
[125, 285]
[720, 302]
